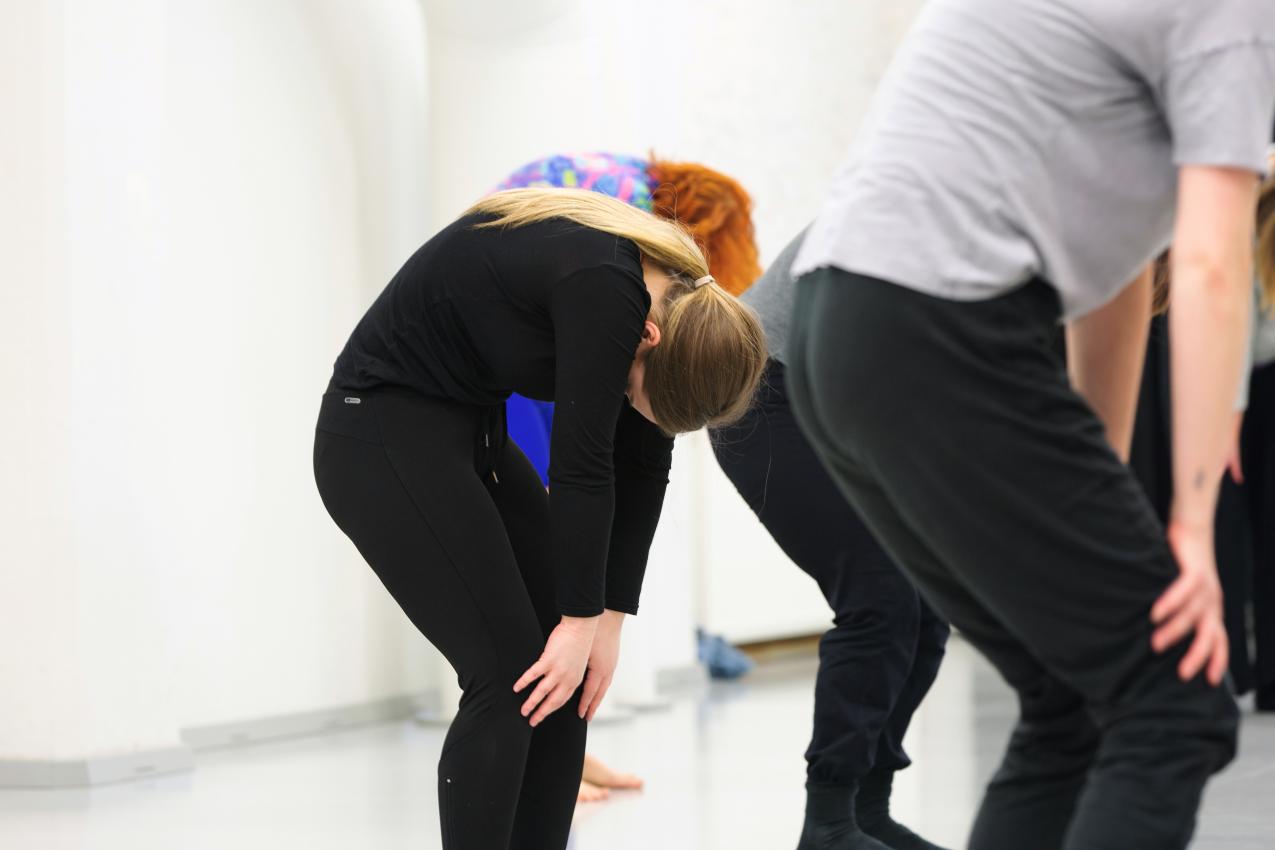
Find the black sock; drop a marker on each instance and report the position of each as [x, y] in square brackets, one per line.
[872, 809]
[830, 822]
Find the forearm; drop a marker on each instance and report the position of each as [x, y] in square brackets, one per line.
[643, 457]
[580, 531]
[1105, 354]
[1208, 331]
[638, 506]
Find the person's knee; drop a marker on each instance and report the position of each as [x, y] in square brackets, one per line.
[876, 598]
[488, 726]
[487, 684]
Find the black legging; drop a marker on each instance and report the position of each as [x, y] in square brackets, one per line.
[454, 521]
[880, 657]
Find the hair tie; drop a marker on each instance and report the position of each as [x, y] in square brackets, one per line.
[706, 279]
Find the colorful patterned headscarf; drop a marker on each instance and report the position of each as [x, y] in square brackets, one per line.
[623, 177]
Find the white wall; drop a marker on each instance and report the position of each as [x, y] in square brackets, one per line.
[771, 93]
[309, 214]
[38, 626]
[198, 199]
[208, 195]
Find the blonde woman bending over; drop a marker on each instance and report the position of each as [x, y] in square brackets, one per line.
[560, 295]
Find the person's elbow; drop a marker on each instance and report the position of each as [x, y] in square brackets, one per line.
[1220, 283]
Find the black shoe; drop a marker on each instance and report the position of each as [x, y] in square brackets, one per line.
[830, 822]
[872, 811]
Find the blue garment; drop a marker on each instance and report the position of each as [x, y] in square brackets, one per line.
[529, 425]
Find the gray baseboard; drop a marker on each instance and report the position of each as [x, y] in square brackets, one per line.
[300, 724]
[100, 771]
[77, 773]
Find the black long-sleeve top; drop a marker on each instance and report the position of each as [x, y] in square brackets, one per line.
[553, 311]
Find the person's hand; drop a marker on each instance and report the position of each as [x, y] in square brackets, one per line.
[603, 659]
[1193, 604]
[560, 668]
[1233, 459]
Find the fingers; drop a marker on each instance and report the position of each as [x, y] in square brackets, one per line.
[1210, 648]
[1190, 606]
[544, 689]
[1202, 649]
[592, 683]
[1221, 659]
[535, 671]
[1183, 621]
[1237, 469]
[597, 700]
[1172, 600]
[552, 703]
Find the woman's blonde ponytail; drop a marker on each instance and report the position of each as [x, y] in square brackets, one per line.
[712, 352]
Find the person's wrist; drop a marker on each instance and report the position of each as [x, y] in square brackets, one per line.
[581, 625]
[611, 620]
[1185, 521]
[1189, 532]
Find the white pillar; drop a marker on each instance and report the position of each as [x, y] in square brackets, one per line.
[198, 201]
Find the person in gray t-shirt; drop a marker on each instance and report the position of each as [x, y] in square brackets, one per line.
[1042, 137]
[1023, 162]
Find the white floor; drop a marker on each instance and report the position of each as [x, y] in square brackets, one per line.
[723, 769]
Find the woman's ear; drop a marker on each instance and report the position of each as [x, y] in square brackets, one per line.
[651, 337]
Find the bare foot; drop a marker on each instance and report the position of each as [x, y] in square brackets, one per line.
[590, 793]
[597, 773]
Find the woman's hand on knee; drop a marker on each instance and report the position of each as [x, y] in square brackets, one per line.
[560, 668]
[603, 658]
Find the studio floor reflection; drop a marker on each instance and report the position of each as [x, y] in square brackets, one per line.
[723, 768]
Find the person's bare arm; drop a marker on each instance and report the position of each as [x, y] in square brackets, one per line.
[1212, 268]
[1105, 354]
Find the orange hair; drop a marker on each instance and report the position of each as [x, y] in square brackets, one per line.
[718, 213]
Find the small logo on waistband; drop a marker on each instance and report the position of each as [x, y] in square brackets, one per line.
[349, 399]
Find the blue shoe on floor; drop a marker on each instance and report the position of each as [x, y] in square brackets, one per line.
[722, 660]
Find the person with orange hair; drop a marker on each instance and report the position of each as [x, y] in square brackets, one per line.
[712, 206]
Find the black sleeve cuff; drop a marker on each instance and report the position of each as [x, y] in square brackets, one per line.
[568, 611]
[623, 606]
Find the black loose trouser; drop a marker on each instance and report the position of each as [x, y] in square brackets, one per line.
[455, 522]
[880, 657]
[954, 431]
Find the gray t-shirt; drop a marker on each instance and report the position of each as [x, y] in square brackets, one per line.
[1016, 138]
[771, 297]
